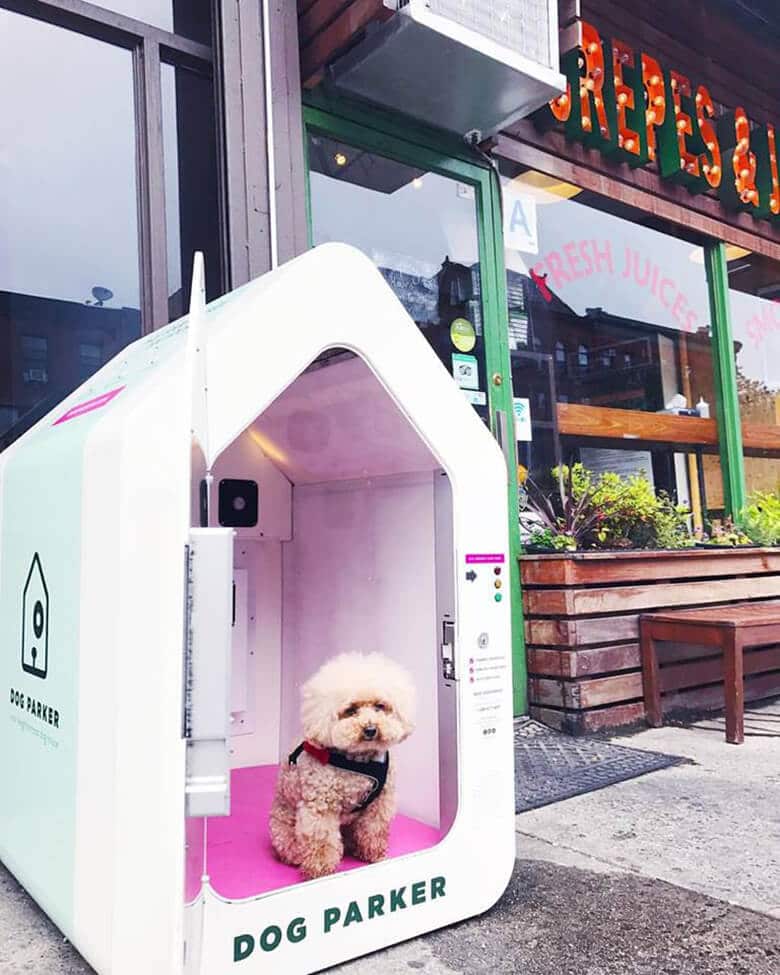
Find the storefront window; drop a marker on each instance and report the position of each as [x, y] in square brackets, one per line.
[420, 229]
[754, 291]
[610, 341]
[69, 279]
[191, 183]
[190, 18]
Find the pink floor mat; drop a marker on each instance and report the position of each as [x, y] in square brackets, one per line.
[241, 862]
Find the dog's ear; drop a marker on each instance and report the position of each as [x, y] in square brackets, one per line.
[404, 700]
[317, 712]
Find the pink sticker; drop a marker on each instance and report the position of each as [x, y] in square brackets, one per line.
[89, 405]
[480, 558]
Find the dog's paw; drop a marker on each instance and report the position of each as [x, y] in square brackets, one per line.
[283, 855]
[368, 846]
[319, 863]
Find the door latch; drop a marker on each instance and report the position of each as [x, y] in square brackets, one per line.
[448, 650]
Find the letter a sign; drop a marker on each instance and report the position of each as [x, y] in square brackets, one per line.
[520, 232]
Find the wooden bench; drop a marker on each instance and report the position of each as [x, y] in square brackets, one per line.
[731, 628]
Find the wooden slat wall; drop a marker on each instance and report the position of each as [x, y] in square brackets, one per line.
[582, 631]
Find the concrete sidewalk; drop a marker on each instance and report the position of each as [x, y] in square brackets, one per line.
[674, 872]
[712, 826]
[677, 871]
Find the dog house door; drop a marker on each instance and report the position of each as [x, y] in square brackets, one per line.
[207, 689]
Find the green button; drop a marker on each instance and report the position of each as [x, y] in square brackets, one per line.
[498, 597]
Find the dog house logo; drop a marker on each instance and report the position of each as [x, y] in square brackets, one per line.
[35, 621]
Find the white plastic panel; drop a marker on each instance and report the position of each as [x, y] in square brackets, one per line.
[255, 731]
[246, 459]
[336, 424]
[207, 671]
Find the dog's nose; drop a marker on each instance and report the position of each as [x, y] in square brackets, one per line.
[369, 732]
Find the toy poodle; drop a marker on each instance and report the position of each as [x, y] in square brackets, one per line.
[336, 793]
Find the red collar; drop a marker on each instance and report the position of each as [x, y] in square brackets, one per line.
[321, 754]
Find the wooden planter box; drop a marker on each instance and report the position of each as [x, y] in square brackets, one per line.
[582, 629]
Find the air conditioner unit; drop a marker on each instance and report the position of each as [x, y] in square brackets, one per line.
[462, 65]
[35, 376]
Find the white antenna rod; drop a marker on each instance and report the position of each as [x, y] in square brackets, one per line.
[197, 358]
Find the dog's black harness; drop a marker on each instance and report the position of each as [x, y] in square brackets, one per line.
[376, 771]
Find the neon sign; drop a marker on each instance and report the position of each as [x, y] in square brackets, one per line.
[624, 104]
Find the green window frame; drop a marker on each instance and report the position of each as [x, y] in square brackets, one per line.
[406, 142]
[732, 460]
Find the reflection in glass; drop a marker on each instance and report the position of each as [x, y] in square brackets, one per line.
[190, 18]
[191, 190]
[420, 229]
[609, 331]
[754, 284]
[69, 288]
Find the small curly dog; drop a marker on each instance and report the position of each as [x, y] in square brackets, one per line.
[336, 793]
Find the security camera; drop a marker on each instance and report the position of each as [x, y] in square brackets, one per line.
[238, 503]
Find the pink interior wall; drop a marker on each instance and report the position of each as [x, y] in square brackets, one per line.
[341, 469]
[359, 575]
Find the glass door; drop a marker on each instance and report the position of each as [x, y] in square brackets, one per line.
[421, 231]
[427, 218]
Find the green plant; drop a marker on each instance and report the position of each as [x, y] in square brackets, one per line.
[568, 515]
[671, 524]
[760, 519]
[605, 511]
[726, 533]
[547, 538]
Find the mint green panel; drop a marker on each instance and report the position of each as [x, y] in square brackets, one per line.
[41, 515]
[39, 634]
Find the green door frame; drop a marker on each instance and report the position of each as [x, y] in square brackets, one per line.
[406, 142]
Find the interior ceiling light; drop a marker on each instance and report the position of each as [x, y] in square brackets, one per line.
[417, 182]
[733, 253]
[340, 159]
[544, 188]
[268, 447]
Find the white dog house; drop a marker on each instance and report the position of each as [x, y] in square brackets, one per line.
[287, 474]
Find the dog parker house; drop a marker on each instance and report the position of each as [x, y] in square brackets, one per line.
[293, 499]
[636, 264]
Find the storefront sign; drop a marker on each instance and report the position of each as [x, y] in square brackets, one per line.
[623, 103]
[561, 268]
